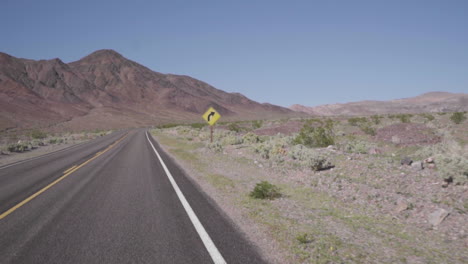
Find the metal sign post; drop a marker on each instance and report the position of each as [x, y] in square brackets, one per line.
[211, 116]
[211, 134]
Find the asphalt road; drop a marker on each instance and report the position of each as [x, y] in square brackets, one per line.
[111, 201]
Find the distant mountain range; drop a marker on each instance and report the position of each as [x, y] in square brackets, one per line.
[428, 102]
[106, 90]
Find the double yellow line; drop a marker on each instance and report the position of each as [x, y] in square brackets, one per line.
[66, 173]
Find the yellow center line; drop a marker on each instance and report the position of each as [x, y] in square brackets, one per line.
[67, 172]
[70, 169]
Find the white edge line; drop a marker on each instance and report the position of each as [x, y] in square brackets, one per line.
[210, 246]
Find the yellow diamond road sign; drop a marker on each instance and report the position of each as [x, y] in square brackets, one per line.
[211, 116]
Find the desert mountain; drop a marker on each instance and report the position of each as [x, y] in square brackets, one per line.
[106, 90]
[429, 102]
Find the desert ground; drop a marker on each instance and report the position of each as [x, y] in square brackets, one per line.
[386, 189]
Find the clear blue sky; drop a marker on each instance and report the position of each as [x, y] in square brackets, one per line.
[282, 52]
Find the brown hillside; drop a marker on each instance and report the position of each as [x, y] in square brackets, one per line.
[106, 90]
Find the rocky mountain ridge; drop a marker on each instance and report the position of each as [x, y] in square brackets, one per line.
[106, 90]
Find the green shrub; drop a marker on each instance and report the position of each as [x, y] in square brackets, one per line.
[19, 147]
[453, 168]
[37, 143]
[263, 149]
[310, 158]
[278, 150]
[274, 150]
[215, 146]
[355, 146]
[232, 140]
[447, 147]
[265, 190]
[304, 238]
[317, 162]
[257, 124]
[234, 127]
[404, 118]
[355, 121]
[366, 128]
[23, 147]
[12, 148]
[376, 119]
[458, 117]
[37, 134]
[251, 138]
[429, 117]
[297, 152]
[316, 136]
[450, 158]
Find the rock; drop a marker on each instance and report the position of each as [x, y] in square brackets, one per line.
[436, 217]
[406, 161]
[429, 160]
[417, 166]
[374, 151]
[401, 206]
[396, 140]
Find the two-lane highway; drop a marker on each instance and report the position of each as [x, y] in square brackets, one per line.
[112, 200]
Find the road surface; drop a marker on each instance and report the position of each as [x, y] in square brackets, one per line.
[111, 200]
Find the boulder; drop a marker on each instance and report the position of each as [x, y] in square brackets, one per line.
[417, 166]
[429, 160]
[331, 148]
[406, 161]
[436, 217]
[401, 206]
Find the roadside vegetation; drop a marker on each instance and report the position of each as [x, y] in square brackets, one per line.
[17, 146]
[265, 190]
[338, 190]
[458, 117]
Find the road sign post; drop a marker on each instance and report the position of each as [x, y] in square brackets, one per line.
[211, 134]
[211, 116]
